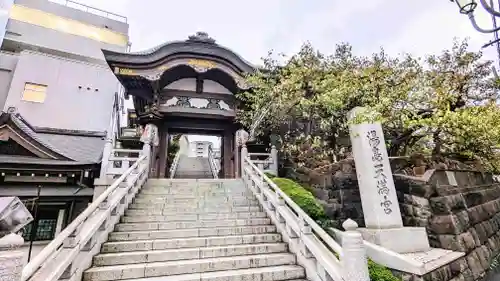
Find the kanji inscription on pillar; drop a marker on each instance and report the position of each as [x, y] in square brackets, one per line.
[376, 185]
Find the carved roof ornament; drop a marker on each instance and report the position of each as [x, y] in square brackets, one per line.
[201, 37]
[152, 76]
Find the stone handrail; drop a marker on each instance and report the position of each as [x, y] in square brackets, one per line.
[387, 257]
[71, 252]
[213, 164]
[269, 164]
[120, 160]
[316, 250]
[175, 162]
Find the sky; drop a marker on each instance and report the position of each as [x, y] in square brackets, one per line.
[252, 28]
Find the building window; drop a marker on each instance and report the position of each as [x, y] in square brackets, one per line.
[34, 92]
[46, 224]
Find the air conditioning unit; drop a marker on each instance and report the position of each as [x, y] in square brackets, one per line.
[14, 216]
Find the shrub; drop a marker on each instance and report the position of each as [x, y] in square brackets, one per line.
[269, 175]
[303, 198]
[380, 273]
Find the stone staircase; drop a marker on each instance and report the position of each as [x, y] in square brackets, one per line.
[193, 168]
[193, 230]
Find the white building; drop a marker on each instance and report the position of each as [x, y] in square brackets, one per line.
[57, 95]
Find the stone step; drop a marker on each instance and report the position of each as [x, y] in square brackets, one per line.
[196, 232]
[191, 242]
[165, 181]
[192, 198]
[142, 270]
[187, 253]
[188, 224]
[275, 273]
[166, 208]
[197, 187]
[193, 193]
[199, 202]
[190, 211]
[192, 188]
[191, 182]
[192, 217]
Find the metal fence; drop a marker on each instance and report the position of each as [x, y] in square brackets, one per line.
[92, 10]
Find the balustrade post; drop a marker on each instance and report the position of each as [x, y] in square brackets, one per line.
[100, 185]
[11, 257]
[353, 259]
[244, 154]
[274, 158]
[106, 154]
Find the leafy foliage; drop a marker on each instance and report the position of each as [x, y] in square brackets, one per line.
[380, 273]
[440, 105]
[172, 149]
[303, 198]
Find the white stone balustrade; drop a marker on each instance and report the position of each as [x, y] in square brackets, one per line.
[268, 165]
[213, 163]
[175, 162]
[71, 252]
[120, 160]
[316, 250]
[11, 257]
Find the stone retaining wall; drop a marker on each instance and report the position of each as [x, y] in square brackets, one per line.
[460, 210]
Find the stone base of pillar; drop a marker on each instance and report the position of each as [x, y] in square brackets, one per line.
[11, 265]
[11, 258]
[100, 185]
[400, 240]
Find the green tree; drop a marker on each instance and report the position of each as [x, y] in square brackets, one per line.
[442, 104]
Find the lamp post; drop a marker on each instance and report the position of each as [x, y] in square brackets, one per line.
[468, 7]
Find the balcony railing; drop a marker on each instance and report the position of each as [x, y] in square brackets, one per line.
[92, 10]
[130, 132]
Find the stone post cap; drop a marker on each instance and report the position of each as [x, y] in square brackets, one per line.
[356, 111]
[350, 225]
[11, 241]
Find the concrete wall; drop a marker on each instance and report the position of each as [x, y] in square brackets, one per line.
[85, 108]
[199, 148]
[5, 6]
[33, 35]
[8, 64]
[75, 14]
[22, 35]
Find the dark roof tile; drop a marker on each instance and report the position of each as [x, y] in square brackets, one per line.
[78, 148]
[81, 147]
[12, 159]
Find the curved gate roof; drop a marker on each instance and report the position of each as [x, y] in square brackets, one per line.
[200, 44]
